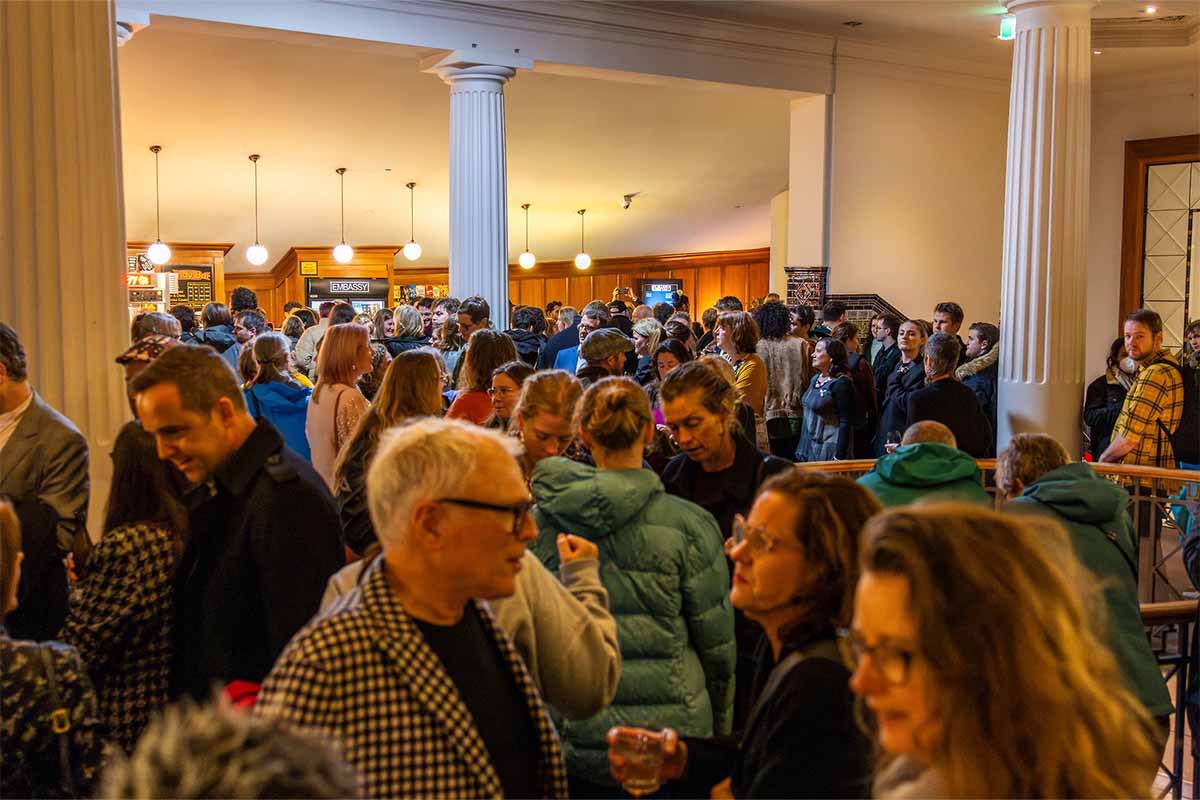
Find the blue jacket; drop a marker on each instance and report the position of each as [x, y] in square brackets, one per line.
[567, 359]
[668, 589]
[286, 406]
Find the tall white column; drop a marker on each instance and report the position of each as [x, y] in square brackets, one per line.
[479, 175]
[1042, 317]
[62, 213]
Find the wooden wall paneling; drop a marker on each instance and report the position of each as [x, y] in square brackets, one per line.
[688, 276]
[533, 292]
[735, 280]
[759, 281]
[556, 289]
[579, 290]
[603, 285]
[708, 288]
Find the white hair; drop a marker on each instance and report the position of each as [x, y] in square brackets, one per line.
[425, 459]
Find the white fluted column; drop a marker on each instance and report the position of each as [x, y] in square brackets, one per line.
[1043, 298]
[479, 176]
[62, 213]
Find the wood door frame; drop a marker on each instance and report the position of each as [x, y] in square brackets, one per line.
[1140, 155]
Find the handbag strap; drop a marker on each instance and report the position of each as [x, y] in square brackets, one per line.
[819, 649]
[60, 724]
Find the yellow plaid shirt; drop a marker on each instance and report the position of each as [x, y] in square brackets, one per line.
[1156, 396]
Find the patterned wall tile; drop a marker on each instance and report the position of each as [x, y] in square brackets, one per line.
[1166, 232]
[1165, 278]
[1168, 186]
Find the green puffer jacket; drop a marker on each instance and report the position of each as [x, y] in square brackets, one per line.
[926, 471]
[662, 563]
[1093, 512]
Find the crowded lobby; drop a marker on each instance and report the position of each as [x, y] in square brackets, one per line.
[600, 399]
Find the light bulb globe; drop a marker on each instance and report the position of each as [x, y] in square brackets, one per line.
[583, 261]
[159, 253]
[343, 253]
[412, 251]
[527, 260]
[256, 254]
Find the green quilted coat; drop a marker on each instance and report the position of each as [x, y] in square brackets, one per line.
[661, 561]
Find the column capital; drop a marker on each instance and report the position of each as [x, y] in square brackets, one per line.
[476, 67]
[1051, 12]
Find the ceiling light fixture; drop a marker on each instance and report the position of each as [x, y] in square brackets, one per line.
[1097, 52]
[343, 252]
[526, 259]
[159, 253]
[1151, 10]
[583, 260]
[412, 250]
[256, 254]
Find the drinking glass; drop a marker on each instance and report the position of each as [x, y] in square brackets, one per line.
[893, 441]
[643, 756]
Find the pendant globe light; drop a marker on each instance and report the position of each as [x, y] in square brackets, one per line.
[159, 253]
[412, 250]
[526, 259]
[343, 252]
[583, 260]
[256, 254]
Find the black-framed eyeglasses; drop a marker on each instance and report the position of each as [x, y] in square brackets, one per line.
[519, 511]
[890, 662]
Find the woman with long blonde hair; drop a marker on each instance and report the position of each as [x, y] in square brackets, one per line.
[984, 669]
[412, 387]
[544, 417]
[337, 404]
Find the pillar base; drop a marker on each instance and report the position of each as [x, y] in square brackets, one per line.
[1051, 408]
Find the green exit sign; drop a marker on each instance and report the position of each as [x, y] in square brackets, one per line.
[1008, 28]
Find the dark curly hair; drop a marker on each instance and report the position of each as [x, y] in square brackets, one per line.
[243, 299]
[773, 320]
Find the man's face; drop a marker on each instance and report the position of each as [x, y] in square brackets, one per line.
[586, 326]
[440, 315]
[911, 339]
[976, 346]
[242, 333]
[196, 443]
[426, 318]
[478, 551]
[1193, 337]
[614, 364]
[944, 323]
[1140, 343]
[467, 326]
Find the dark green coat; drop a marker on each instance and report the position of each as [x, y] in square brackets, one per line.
[1093, 512]
[927, 470]
[662, 563]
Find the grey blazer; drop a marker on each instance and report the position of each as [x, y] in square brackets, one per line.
[47, 459]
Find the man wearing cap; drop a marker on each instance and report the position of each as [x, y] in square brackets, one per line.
[138, 357]
[604, 351]
[618, 312]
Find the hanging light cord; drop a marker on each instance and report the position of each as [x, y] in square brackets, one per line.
[342, 178]
[526, 227]
[256, 201]
[157, 209]
[412, 214]
[582, 246]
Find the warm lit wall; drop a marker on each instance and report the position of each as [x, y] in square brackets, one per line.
[1151, 110]
[918, 193]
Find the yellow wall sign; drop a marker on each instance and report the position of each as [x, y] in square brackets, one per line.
[139, 280]
[308, 267]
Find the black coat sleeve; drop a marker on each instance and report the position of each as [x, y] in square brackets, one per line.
[1098, 412]
[296, 544]
[357, 531]
[843, 394]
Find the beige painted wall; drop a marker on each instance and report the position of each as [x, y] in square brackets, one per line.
[918, 193]
[1155, 109]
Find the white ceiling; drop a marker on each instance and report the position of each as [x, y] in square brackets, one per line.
[211, 95]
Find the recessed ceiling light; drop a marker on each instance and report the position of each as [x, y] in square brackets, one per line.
[1151, 10]
[1096, 52]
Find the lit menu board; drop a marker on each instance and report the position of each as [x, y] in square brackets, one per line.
[193, 286]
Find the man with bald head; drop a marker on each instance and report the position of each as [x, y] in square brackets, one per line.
[410, 674]
[926, 465]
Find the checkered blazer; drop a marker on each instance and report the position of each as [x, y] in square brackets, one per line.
[362, 675]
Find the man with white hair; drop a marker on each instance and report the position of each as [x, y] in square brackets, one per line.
[409, 673]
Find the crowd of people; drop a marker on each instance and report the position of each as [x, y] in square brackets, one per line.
[418, 553]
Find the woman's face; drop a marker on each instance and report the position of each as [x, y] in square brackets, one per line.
[641, 344]
[504, 394]
[891, 676]
[911, 340]
[545, 435]
[699, 432]
[768, 566]
[389, 327]
[820, 359]
[365, 358]
[1193, 338]
[724, 339]
[667, 363]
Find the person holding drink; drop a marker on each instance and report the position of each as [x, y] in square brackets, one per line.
[795, 568]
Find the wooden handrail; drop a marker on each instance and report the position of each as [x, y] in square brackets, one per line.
[1181, 611]
[986, 464]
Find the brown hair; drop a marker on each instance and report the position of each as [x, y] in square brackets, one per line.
[246, 366]
[269, 349]
[215, 313]
[1030, 700]
[615, 413]
[409, 322]
[831, 512]
[10, 548]
[338, 355]
[411, 387]
[742, 328]
[381, 319]
[487, 350]
[555, 392]
[1150, 319]
[844, 332]
[200, 374]
[716, 392]
[1028, 457]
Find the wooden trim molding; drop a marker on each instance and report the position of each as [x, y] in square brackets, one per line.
[1140, 155]
[604, 266]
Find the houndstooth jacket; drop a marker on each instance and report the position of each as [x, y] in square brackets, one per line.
[363, 675]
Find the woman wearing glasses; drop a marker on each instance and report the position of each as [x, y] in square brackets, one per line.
[665, 577]
[984, 667]
[505, 391]
[795, 566]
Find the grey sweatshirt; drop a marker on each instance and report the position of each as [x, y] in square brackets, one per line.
[563, 631]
